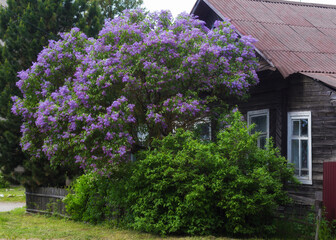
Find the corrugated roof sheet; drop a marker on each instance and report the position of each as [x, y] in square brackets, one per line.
[294, 36]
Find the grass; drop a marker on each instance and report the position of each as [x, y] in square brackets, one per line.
[19, 225]
[12, 194]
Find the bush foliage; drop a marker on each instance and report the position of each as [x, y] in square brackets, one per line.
[25, 28]
[87, 99]
[3, 182]
[183, 185]
[94, 198]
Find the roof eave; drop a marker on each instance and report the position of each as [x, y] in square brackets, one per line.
[195, 7]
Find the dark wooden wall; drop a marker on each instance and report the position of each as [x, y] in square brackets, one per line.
[306, 94]
[270, 94]
[298, 93]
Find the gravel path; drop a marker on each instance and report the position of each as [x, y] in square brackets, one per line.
[9, 206]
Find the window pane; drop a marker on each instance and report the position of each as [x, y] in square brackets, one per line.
[142, 136]
[295, 155]
[260, 124]
[262, 141]
[203, 131]
[296, 127]
[304, 157]
[304, 127]
[304, 173]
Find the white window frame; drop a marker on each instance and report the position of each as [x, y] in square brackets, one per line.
[258, 113]
[297, 116]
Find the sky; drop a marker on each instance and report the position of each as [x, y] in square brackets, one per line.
[177, 6]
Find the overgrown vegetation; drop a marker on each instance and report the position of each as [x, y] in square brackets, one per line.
[95, 198]
[182, 185]
[25, 28]
[3, 182]
[327, 229]
[91, 101]
[293, 226]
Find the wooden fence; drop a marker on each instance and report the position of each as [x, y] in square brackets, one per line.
[302, 212]
[46, 200]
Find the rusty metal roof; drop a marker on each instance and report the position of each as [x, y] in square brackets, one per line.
[295, 37]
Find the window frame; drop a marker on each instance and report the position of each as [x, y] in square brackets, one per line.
[258, 113]
[299, 116]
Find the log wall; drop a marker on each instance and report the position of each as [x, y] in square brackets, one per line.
[270, 94]
[306, 94]
[299, 93]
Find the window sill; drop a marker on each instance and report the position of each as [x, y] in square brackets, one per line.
[305, 181]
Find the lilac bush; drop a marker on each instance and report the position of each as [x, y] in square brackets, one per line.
[86, 100]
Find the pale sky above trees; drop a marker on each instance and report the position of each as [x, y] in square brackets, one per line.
[178, 6]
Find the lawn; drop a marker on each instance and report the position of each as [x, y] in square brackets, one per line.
[19, 225]
[12, 194]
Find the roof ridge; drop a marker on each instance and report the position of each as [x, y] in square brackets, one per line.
[305, 4]
[277, 23]
[316, 71]
[317, 52]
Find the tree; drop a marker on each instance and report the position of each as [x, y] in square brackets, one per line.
[93, 101]
[111, 8]
[25, 27]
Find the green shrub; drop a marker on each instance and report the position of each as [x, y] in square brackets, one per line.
[327, 229]
[183, 185]
[3, 182]
[95, 199]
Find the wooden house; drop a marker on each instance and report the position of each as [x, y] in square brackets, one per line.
[295, 101]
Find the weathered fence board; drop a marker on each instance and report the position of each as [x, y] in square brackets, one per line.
[46, 200]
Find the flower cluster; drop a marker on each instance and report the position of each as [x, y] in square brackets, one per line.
[84, 99]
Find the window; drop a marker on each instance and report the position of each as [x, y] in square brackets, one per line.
[142, 134]
[261, 120]
[202, 129]
[299, 145]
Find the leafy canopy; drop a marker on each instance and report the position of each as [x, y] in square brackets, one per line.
[112, 8]
[25, 27]
[95, 100]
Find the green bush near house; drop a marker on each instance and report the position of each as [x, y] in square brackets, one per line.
[95, 199]
[182, 185]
